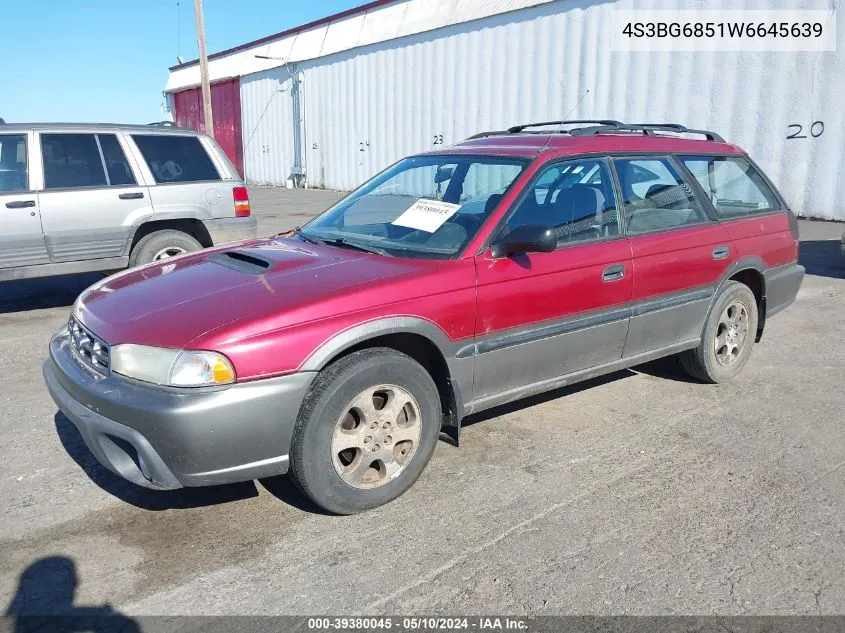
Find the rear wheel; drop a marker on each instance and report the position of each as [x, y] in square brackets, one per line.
[161, 245]
[366, 431]
[728, 336]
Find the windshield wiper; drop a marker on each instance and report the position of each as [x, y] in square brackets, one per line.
[342, 242]
[313, 240]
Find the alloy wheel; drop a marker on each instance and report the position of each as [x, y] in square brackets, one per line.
[731, 333]
[376, 436]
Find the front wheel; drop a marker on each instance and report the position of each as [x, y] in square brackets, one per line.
[366, 431]
[728, 336]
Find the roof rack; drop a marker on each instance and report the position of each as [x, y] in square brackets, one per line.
[516, 129]
[646, 128]
[603, 126]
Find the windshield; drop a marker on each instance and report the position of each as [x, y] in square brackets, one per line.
[424, 206]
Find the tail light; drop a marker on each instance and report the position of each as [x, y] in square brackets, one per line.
[241, 196]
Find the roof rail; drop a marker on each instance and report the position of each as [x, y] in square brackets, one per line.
[602, 126]
[486, 134]
[516, 129]
[648, 129]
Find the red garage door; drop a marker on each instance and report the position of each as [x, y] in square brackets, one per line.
[226, 110]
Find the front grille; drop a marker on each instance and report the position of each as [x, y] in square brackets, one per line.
[91, 350]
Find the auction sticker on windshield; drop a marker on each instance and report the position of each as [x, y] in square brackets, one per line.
[426, 215]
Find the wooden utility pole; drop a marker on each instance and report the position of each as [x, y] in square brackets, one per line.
[206, 87]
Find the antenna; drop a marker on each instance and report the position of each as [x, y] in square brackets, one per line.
[577, 103]
[560, 127]
[178, 34]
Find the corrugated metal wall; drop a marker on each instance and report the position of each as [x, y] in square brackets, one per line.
[367, 107]
[267, 126]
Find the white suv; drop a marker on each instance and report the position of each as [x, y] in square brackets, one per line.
[79, 198]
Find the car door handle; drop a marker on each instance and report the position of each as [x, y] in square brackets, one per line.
[720, 252]
[131, 196]
[613, 273]
[20, 204]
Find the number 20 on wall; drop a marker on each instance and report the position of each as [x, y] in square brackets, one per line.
[797, 130]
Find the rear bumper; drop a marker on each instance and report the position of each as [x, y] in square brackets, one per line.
[224, 230]
[782, 284]
[170, 438]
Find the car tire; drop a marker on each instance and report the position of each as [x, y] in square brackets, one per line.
[343, 404]
[728, 337]
[160, 245]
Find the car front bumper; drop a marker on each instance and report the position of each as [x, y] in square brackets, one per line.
[170, 438]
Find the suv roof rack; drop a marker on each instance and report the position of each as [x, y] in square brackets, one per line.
[516, 129]
[603, 126]
[647, 129]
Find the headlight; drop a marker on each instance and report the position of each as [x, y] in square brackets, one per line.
[172, 367]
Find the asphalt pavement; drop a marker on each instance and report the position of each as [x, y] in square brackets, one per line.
[641, 492]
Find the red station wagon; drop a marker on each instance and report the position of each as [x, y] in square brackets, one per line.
[454, 281]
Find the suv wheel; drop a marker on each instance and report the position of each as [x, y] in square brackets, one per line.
[728, 337]
[161, 245]
[366, 430]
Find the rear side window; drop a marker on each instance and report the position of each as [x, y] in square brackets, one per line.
[176, 158]
[13, 162]
[575, 197]
[655, 196]
[116, 164]
[732, 184]
[71, 160]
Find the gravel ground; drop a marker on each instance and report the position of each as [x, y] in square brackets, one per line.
[641, 492]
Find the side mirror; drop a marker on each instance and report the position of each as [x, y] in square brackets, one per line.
[443, 173]
[525, 239]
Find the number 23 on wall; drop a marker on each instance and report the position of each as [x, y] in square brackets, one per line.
[797, 130]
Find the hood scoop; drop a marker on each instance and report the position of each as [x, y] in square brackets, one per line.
[246, 263]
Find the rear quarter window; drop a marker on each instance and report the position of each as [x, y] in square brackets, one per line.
[732, 184]
[174, 158]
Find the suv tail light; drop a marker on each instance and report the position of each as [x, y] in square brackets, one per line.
[241, 196]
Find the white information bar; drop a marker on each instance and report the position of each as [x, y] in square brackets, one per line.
[722, 30]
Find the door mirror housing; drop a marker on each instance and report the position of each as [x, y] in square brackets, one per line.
[525, 239]
[443, 173]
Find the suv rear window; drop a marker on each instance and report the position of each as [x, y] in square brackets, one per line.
[71, 160]
[176, 158]
[732, 184]
[655, 196]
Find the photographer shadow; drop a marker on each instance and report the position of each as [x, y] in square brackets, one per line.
[44, 601]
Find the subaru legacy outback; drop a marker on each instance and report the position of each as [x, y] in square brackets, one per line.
[454, 281]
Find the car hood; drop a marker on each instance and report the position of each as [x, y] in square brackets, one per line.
[171, 303]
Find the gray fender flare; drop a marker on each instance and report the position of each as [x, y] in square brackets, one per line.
[460, 369]
[745, 263]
